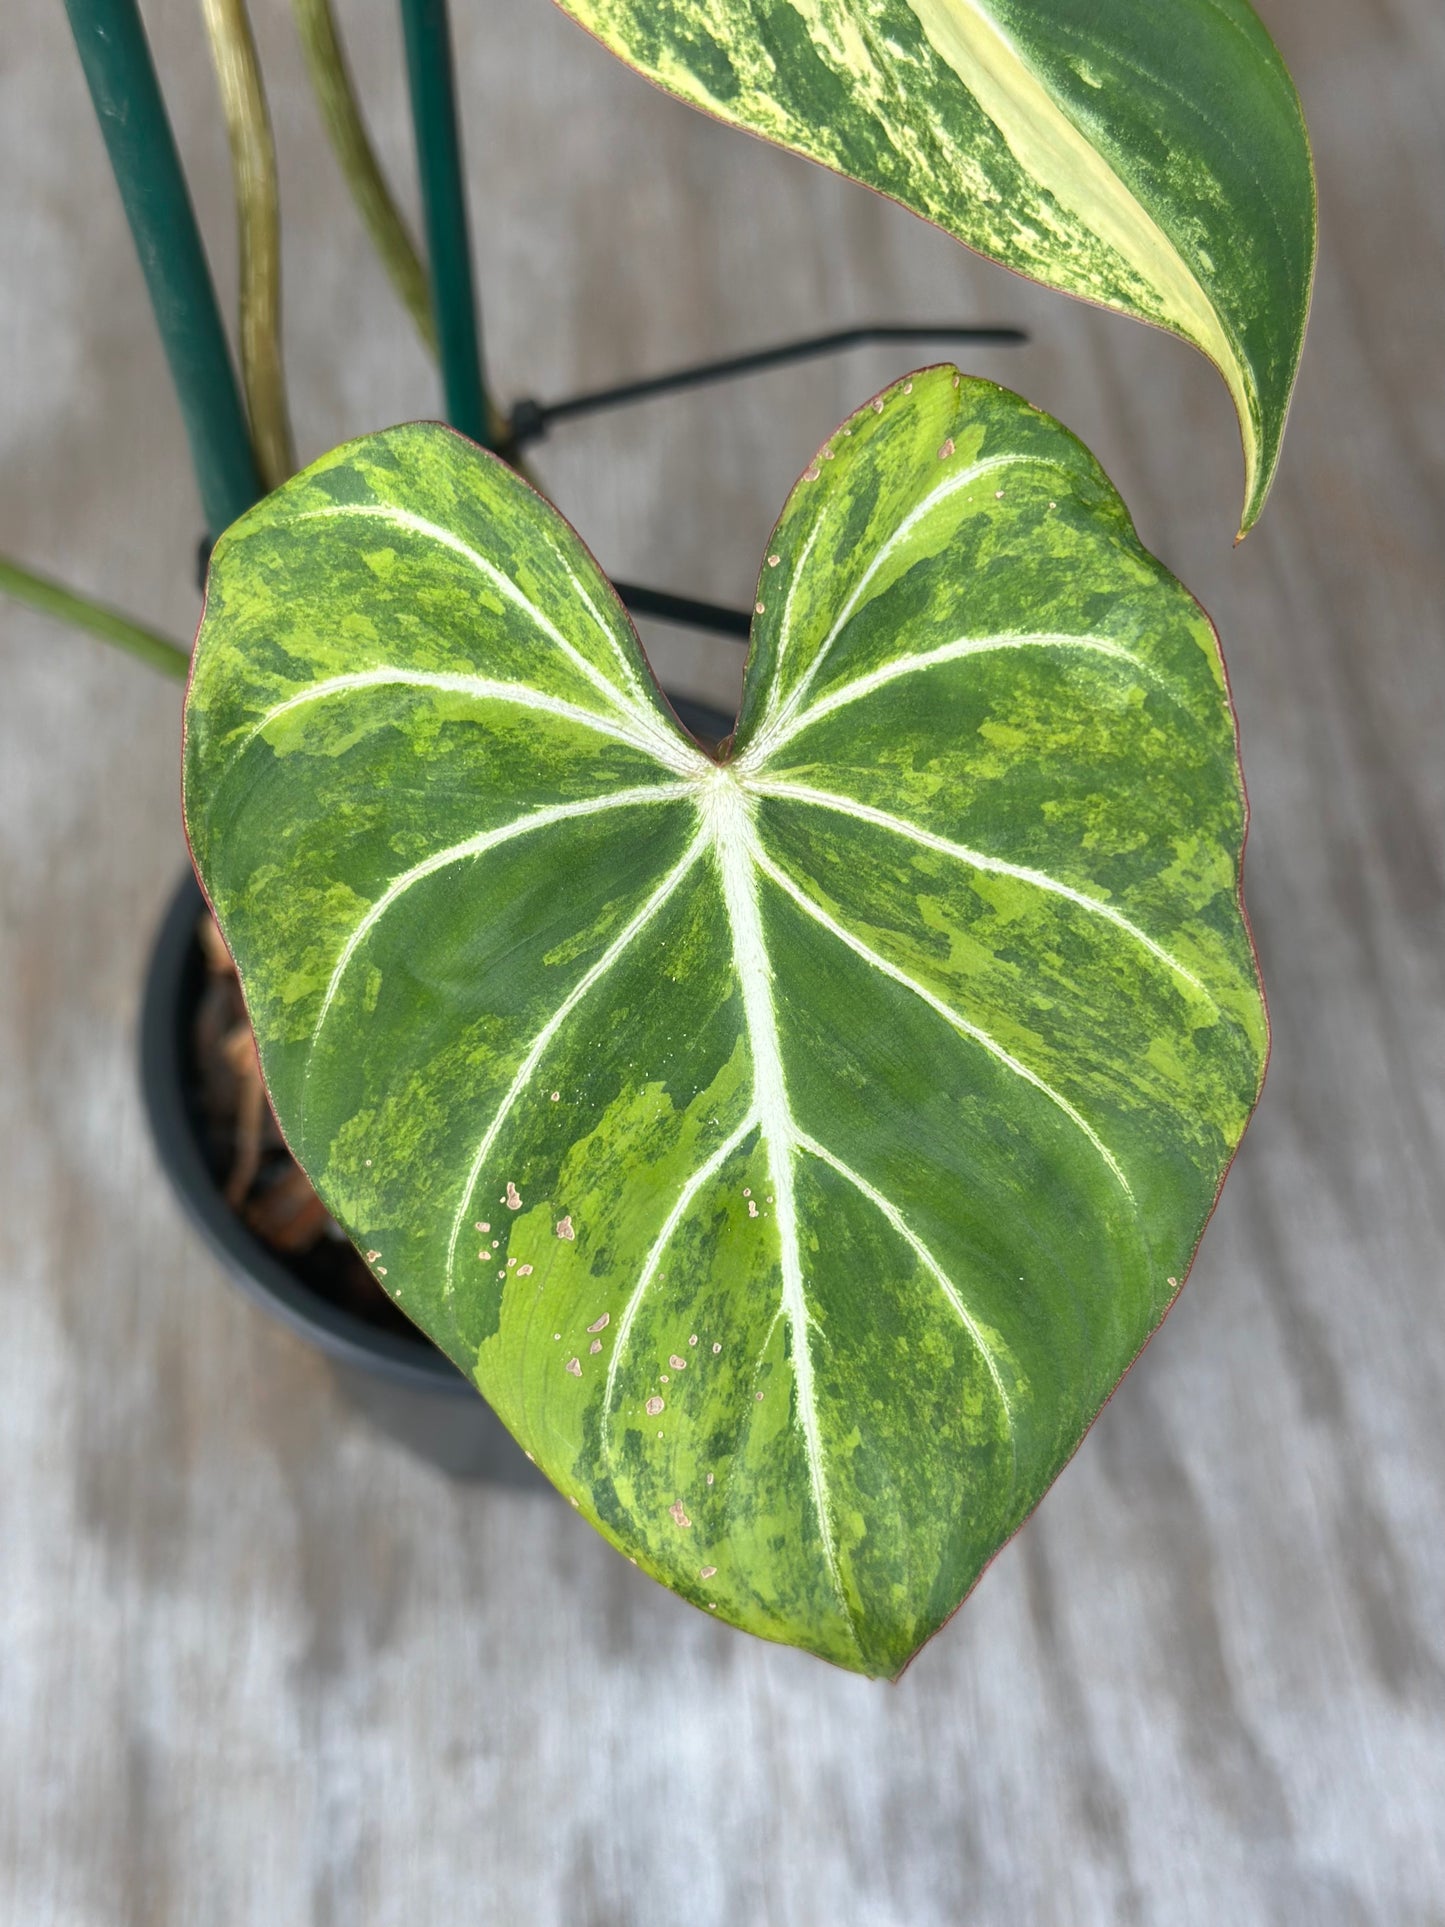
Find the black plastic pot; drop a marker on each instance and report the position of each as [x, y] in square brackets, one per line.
[404, 1384]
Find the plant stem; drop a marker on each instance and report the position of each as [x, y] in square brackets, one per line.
[253, 170]
[336, 97]
[161, 653]
[127, 98]
[439, 161]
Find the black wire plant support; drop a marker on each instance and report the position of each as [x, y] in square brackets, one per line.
[531, 420]
[128, 103]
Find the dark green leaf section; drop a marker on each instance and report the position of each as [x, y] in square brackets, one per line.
[795, 1150]
[1150, 158]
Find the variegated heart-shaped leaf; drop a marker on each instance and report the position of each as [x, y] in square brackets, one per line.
[795, 1148]
[1150, 157]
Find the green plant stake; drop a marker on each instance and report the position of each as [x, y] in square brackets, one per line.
[794, 1149]
[132, 115]
[1150, 157]
[427, 32]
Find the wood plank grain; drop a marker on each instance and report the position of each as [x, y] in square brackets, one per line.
[256, 1665]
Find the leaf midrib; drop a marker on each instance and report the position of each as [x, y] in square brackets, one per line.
[725, 800]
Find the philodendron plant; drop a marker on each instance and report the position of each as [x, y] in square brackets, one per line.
[794, 1147]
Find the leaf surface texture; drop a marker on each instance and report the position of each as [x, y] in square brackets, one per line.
[794, 1150]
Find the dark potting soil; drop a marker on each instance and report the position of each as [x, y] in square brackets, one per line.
[247, 1155]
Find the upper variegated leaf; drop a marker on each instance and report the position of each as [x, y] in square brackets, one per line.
[1150, 157]
[794, 1149]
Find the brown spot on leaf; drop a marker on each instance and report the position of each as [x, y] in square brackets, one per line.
[707, 1572]
[677, 1364]
[600, 1324]
[653, 1406]
[514, 1202]
[679, 1513]
[564, 1228]
[574, 1366]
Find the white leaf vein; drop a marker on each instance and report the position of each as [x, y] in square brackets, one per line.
[652, 725]
[475, 846]
[481, 689]
[951, 485]
[554, 1023]
[610, 635]
[978, 860]
[726, 815]
[793, 725]
[709, 1168]
[952, 1017]
[946, 1286]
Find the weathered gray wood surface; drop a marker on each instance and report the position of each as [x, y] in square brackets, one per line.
[256, 1666]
